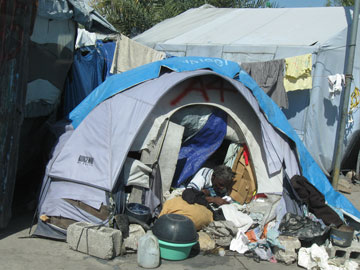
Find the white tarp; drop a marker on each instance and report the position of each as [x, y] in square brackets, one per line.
[255, 35]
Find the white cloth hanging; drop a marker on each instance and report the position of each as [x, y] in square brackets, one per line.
[336, 84]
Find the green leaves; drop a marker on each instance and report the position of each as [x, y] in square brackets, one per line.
[340, 3]
[132, 17]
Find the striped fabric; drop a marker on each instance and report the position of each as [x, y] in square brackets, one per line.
[202, 179]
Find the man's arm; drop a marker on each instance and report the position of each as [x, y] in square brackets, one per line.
[206, 192]
[217, 200]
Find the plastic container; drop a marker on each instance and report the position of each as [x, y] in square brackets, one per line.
[138, 211]
[342, 236]
[148, 253]
[174, 228]
[175, 252]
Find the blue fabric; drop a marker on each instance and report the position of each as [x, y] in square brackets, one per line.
[106, 50]
[199, 148]
[87, 72]
[120, 82]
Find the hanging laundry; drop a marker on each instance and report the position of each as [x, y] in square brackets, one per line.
[87, 72]
[130, 54]
[269, 76]
[336, 84]
[298, 72]
[355, 101]
[106, 50]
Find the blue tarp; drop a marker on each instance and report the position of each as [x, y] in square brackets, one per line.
[195, 151]
[275, 116]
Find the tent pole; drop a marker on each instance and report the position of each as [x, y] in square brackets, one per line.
[346, 95]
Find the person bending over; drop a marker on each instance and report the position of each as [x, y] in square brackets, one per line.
[214, 183]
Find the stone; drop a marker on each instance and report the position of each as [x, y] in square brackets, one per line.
[291, 245]
[98, 241]
[350, 175]
[135, 232]
[344, 184]
[206, 242]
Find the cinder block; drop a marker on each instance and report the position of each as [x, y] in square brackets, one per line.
[135, 233]
[342, 254]
[98, 241]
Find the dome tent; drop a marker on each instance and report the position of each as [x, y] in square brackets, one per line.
[88, 160]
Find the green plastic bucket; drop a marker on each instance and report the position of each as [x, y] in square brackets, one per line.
[175, 252]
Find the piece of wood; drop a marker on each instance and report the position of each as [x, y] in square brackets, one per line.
[16, 23]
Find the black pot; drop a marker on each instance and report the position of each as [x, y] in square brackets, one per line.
[138, 211]
[175, 228]
[342, 236]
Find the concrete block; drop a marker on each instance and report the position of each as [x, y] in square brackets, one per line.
[135, 232]
[342, 254]
[291, 245]
[97, 241]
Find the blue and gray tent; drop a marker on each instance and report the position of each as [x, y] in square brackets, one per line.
[127, 113]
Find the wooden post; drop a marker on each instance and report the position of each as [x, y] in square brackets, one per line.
[16, 24]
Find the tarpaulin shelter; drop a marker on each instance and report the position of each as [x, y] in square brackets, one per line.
[87, 163]
[257, 35]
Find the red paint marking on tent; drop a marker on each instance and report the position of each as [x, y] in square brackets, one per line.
[217, 85]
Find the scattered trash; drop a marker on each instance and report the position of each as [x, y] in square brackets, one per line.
[312, 257]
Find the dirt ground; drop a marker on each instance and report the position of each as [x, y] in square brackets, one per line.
[18, 251]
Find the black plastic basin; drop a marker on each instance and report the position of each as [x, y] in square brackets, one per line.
[342, 236]
[175, 228]
[138, 211]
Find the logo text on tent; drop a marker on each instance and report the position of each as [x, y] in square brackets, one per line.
[216, 61]
[86, 160]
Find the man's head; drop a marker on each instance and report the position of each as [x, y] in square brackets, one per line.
[222, 179]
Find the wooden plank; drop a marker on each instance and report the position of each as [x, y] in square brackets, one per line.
[16, 22]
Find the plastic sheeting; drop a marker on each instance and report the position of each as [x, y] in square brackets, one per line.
[200, 147]
[78, 10]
